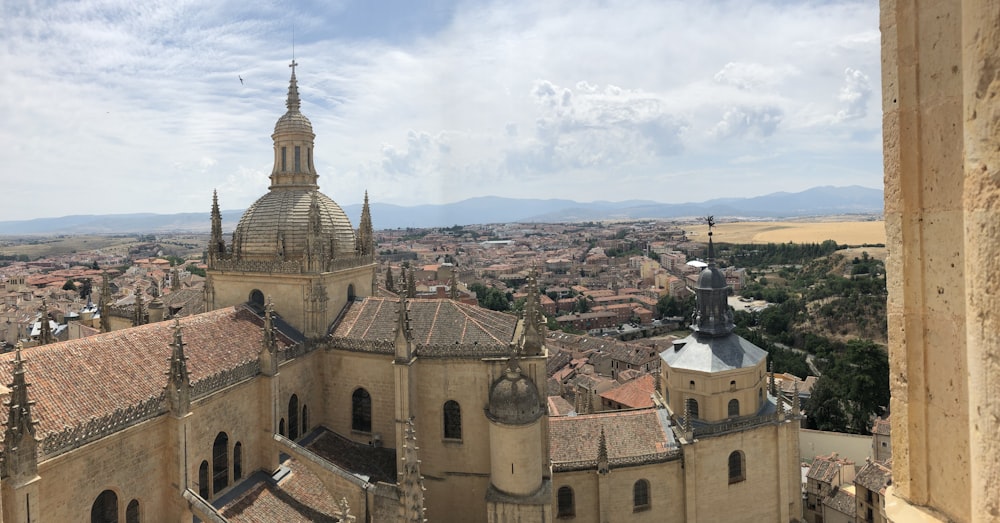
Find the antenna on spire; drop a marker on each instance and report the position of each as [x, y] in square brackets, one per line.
[293, 42]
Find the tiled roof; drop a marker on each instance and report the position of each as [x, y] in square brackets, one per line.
[433, 322]
[825, 468]
[633, 394]
[881, 426]
[298, 497]
[842, 501]
[185, 301]
[558, 406]
[76, 380]
[874, 476]
[629, 434]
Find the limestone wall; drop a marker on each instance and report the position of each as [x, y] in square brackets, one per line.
[814, 443]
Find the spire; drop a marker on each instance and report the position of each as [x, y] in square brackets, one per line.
[533, 335]
[175, 280]
[292, 103]
[404, 334]
[796, 403]
[366, 234]
[216, 245]
[713, 316]
[773, 387]
[140, 310]
[411, 286]
[602, 454]
[453, 286]
[389, 284]
[411, 482]
[45, 330]
[19, 452]
[178, 389]
[269, 348]
[314, 241]
[105, 303]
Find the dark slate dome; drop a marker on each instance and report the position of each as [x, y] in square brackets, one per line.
[711, 278]
[514, 399]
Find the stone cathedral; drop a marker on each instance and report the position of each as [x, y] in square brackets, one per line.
[309, 393]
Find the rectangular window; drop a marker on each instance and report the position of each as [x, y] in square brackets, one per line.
[297, 168]
[283, 165]
[309, 158]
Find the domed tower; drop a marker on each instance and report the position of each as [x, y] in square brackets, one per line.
[294, 243]
[519, 486]
[714, 375]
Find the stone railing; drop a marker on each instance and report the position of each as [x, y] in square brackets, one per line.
[349, 262]
[353, 345]
[624, 461]
[290, 266]
[711, 429]
[223, 379]
[297, 349]
[56, 443]
[444, 350]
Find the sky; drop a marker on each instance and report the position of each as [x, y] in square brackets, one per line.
[118, 106]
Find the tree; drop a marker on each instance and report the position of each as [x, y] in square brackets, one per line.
[824, 408]
[669, 306]
[70, 285]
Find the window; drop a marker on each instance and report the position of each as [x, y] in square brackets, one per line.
[734, 408]
[132, 512]
[640, 495]
[283, 163]
[732, 385]
[309, 158]
[692, 405]
[691, 384]
[257, 299]
[297, 159]
[737, 465]
[237, 461]
[361, 411]
[281, 427]
[452, 420]
[564, 498]
[760, 397]
[293, 417]
[105, 508]
[305, 419]
[203, 481]
[220, 463]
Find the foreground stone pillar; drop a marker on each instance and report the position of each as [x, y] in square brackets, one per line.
[981, 119]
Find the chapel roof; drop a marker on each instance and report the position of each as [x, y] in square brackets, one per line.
[633, 437]
[713, 354]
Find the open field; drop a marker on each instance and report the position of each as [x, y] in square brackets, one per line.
[844, 233]
[36, 247]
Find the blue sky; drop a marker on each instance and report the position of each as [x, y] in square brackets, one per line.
[116, 106]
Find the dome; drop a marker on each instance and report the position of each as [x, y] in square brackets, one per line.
[711, 278]
[277, 225]
[514, 399]
[293, 122]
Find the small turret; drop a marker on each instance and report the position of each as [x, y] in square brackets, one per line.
[178, 388]
[404, 335]
[45, 330]
[20, 458]
[366, 233]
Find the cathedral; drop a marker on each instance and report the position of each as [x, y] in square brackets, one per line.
[307, 392]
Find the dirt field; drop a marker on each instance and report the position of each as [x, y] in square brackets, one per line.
[845, 233]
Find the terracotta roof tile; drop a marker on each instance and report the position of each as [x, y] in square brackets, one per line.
[433, 321]
[299, 497]
[633, 394]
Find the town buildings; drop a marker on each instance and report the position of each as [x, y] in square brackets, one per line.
[307, 392]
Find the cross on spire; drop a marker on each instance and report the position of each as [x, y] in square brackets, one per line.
[293, 65]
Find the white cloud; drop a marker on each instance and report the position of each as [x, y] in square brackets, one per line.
[102, 96]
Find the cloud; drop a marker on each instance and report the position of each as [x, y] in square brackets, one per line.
[749, 76]
[854, 95]
[750, 122]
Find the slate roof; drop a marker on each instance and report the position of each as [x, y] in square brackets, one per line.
[874, 476]
[378, 463]
[76, 380]
[842, 501]
[298, 497]
[881, 426]
[825, 468]
[714, 354]
[433, 322]
[631, 436]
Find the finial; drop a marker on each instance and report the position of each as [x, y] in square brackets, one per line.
[711, 248]
[602, 454]
[292, 103]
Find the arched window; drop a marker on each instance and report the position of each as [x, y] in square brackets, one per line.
[732, 385]
[293, 417]
[305, 419]
[203, 481]
[237, 461]
[564, 498]
[692, 405]
[257, 299]
[350, 292]
[105, 508]
[452, 420]
[737, 467]
[132, 512]
[640, 495]
[361, 411]
[691, 384]
[220, 463]
[281, 426]
[734, 407]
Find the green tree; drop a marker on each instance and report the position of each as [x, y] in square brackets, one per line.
[69, 286]
[823, 408]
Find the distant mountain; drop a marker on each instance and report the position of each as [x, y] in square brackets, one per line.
[818, 201]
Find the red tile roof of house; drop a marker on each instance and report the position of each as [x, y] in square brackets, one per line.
[629, 434]
[633, 394]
